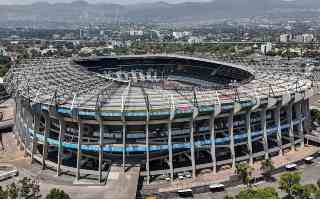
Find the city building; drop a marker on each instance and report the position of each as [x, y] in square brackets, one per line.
[266, 48]
[285, 38]
[179, 35]
[3, 51]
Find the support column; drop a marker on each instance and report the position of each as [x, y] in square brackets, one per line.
[213, 145]
[60, 145]
[147, 153]
[101, 136]
[124, 146]
[79, 154]
[24, 128]
[170, 149]
[27, 127]
[278, 124]
[36, 126]
[19, 128]
[263, 119]
[45, 141]
[231, 135]
[306, 113]
[289, 116]
[249, 135]
[15, 113]
[193, 161]
[300, 125]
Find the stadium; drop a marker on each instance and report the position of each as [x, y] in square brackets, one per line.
[163, 113]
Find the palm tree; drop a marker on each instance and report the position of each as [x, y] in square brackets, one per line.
[244, 171]
[267, 167]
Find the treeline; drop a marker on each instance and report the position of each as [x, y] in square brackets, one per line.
[5, 64]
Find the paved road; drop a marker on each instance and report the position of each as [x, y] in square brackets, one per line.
[310, 174]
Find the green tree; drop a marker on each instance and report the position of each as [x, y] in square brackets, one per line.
[25, 186]
[317, 194]
[3, 193]
[244, 171]
[12, 191]
[315, 115]
[258, 193]
[267, 167]
[309, 191]
[56, 193]
[290, 183]
[318, 183]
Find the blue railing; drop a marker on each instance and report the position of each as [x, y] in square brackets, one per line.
[134, 148]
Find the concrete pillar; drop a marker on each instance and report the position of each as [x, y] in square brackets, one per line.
[124, 135]
[147, 152]
[263, 119]
[101, 136]
[249, 135]
[60, 145]
[299, 115]
[193, 161]
[80, 132]
[278, 124]
[23, 131]
[27, 126]
[14, 130]
[289, 117]
[36, 126]
[170, 149]
[306, 113]
[45, 141]
[20, 130]
[231, 135]
[213, 145]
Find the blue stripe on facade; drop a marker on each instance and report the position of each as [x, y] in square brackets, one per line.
[132, 149]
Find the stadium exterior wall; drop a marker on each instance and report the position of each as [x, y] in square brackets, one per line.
[273, 123]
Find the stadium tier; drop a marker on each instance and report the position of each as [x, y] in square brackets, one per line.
[165, 113]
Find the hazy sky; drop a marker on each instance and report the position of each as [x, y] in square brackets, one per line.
[94, 1]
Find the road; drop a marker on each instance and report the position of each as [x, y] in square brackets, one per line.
[310, 174]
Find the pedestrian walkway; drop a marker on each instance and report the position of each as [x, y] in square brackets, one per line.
[225, 175]
[122, 185]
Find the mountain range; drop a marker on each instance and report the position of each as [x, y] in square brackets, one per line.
[82, 11]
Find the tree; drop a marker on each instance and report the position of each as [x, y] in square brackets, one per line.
[258, 193]
[56, 193]
[317, 194]
[290, 183]
[12, 191]
[244, 171]
[318, 183]
[3, 193]
[35, 189]
[267, 167]
[309, 191]
[25, 186]
[315, 115]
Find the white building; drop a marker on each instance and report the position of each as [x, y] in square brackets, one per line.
[194, 40]
[133, 32]
[179, 35]
[285, 38]
[266, 48]
[3, 51]
[307, 38]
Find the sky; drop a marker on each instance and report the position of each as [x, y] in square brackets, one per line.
[95, 1]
